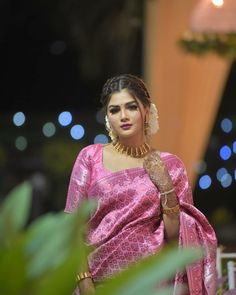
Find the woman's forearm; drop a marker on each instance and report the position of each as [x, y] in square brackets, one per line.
[171, 219]
[85, 280]
[171, 224]
[86, 286]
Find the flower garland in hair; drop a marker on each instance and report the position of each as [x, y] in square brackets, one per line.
[153, 121]
[111, 134]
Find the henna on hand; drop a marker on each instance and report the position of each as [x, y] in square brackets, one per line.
[159, 175]
[157, 171]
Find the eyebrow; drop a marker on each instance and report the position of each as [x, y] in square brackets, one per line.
[127, 104]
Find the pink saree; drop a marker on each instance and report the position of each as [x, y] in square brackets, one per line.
[127, 224]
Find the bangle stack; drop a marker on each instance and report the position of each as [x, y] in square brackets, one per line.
[171, 210]
[83, 275]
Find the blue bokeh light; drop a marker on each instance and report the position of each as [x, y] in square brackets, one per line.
[220, 173]
[234, 147]
[101, 138]
[235, 174]
[77, 132]
[226, 180]
[226, 125]
[225, 152]
[205, 182]
[65, 118]
[19, 118]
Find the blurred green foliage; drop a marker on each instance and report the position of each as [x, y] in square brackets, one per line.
[43, 258]
[200, 43]
[59, 156]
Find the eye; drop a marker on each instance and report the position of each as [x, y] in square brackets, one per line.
[133, 107]
[114, 110]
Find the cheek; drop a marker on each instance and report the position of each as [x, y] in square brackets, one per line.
[112, 120]
[137, 116]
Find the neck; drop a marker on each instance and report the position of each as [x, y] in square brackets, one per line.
[132, 142]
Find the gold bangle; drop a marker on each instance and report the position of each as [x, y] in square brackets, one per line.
[168, 192]
[171, 210]
[83, 275]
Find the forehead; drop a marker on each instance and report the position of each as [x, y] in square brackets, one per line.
[120, 98]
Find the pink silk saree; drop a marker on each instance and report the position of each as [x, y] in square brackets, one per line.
[127, 224]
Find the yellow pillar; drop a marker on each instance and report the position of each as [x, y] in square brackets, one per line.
[186, 89]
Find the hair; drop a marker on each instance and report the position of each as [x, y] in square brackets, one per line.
[132, 84]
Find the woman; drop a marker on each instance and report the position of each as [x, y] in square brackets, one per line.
[144, 198]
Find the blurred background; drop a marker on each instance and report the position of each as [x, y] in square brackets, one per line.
[55, 57]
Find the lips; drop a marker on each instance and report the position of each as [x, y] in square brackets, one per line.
[126, 126]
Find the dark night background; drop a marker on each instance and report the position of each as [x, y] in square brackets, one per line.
[55, 56]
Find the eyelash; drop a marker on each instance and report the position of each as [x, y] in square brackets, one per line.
[131, 107]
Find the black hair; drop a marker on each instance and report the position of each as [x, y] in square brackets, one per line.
[133, 84]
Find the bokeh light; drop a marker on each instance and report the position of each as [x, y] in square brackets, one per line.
[220, 173]
[19, 118]
[200, 167]
[101, 138]
[65, 118]
[49, 129]
[205, 182]
[218, 3]
[226, 180]
[234, 147]
[100, 117]
[77, 132]
[226, 125]
[21, 143]
[225, 152]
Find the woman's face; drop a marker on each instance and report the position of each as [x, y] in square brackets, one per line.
[126, 115]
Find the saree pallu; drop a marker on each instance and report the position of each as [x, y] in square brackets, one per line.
[127, 224]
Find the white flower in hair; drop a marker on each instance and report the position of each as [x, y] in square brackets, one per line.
[109, 129]
[153, 120]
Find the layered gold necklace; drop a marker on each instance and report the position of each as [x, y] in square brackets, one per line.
[132, 151]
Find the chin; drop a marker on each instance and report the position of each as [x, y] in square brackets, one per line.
[128, 135]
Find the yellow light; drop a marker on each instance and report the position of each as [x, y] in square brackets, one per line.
[218, 3]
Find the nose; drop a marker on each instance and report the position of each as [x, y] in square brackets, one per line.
[123, 115]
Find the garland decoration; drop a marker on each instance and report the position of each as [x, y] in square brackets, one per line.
[200, 43]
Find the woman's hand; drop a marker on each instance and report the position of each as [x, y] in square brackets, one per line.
[157, 171]
[86, 287]
[159, 175]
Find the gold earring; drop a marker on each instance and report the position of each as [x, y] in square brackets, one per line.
[146, 127]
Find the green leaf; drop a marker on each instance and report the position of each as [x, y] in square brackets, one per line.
[14, 211]
[62, 279]
[52, 237]
[13, 269]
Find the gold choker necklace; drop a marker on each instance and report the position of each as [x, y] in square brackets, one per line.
[135, 152]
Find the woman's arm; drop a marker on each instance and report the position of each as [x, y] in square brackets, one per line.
[169, 202]
[86, 286]
[85, 280]
[170, 211]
